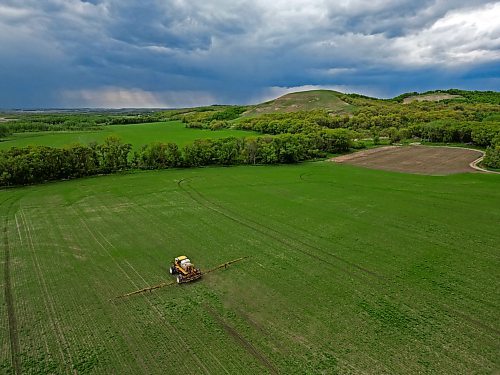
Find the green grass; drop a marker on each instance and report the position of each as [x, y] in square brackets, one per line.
[137, 134]
[351, 271]
[303, 101]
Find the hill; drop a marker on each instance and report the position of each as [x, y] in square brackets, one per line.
[436, 97]
[339, 103]
[303, 101]
[491, 97]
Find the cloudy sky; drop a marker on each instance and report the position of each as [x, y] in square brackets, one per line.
[168, 53]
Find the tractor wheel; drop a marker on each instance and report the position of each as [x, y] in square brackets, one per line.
[172, 271]
[179, 279]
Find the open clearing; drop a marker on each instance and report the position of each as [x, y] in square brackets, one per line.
[137, 134]
[351, 270]
[430, 97]
[414, 159]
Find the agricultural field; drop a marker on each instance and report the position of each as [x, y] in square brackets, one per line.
[350, 270]
[136, 134]
[431, 160]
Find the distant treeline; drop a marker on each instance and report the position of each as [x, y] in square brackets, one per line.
[36, 164]
[72, 122]
[213, 119]
[20, 123]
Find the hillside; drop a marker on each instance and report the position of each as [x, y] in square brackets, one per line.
[303, 101]
[491, 97]
[436, 97]
[339, 103]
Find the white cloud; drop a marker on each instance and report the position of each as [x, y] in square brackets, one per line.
[338, 71]
[233, 50]
[460, 37]
[10, 13]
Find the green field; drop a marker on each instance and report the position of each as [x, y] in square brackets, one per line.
[350, 271]
[137, 135]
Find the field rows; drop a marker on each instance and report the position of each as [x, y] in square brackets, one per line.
[345, 275]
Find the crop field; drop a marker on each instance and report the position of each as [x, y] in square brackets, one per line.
[431, 160]
[350, 270]
[136, 134]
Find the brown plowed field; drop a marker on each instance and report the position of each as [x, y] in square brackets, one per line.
[414, 159]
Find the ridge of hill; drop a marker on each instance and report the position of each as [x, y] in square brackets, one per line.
[303, 101]
[340, 103]
[491, 97]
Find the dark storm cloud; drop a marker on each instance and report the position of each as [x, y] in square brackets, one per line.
[174, 52]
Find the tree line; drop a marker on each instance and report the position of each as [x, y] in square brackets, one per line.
[476, 124]
[73, 122]
[36, 164]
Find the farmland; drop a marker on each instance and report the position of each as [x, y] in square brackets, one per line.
[350, 271]
[415, 159]
[136, 134]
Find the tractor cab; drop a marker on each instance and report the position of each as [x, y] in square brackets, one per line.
[184, 269]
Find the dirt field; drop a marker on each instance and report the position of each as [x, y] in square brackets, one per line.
[430, 98]
[414, 159]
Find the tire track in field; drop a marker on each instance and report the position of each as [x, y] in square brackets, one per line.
[270, 232]
[123, 329]
[47, 298]
[155, 308]
[125, 334]
[205, 202]
[494, 332]
[9, 301]
[244, 343]
[136, 210]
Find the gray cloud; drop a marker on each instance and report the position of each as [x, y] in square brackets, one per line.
[57, 52]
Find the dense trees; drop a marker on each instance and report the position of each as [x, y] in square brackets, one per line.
[4, 131]
[112, 154]
[213, 118]
[158, 155]
[88, 121]
[492, 158]
[35, 164]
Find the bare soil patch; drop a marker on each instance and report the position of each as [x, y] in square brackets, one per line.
[415, 159]
[430, 98]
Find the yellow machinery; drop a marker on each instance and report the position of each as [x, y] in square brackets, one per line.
[184, 269]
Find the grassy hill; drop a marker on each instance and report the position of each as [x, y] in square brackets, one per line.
[303, 101]
[340, 103]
